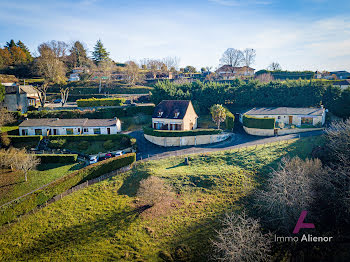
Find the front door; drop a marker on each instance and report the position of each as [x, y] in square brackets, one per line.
[290, 120]
[108, 131]
[55, 132]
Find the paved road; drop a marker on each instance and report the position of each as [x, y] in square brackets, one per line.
[148, 150]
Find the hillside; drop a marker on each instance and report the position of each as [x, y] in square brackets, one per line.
[102, 222]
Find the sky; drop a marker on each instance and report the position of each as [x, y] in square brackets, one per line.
[298, 34]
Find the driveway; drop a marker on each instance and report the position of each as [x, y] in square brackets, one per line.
[148, 150]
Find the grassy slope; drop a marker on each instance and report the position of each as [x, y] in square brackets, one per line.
[12, 184]
[100, 222]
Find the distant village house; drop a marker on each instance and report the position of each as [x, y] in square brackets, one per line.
[228, 72]
[20, 97]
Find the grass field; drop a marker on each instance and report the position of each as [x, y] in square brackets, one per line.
[101, 222]
[12, 184]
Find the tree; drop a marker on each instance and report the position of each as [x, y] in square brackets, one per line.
[249, 55]
[289, 191]
[51, 68]
[64, 94]
[18, 56]
[274, 66]
[190, 69]
[218, 113]
[232, 57]
[25, 162]
[78, 55]
[171, 62]
[242, 239]
[100, 53]
[5, 58]
[2, 92]
[265, 78]
[5, 117]
[10, 44]
[25, 49]
[132, 73]
[106, 67]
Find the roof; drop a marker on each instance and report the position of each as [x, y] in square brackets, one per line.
[28, 89]
[56, 122]
[285, 111]
[170, 107]
[22, 89]
[229, 68]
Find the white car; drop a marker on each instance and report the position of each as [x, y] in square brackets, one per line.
[118, 153]
[93, 159]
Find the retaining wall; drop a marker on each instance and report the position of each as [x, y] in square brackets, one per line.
[187, 140]
[270, 132]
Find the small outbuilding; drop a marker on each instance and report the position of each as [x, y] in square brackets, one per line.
[174, 115]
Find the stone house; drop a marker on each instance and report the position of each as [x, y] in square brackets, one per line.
[20, 97]
[174, 115]
[56, 126]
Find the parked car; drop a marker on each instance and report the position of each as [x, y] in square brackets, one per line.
[118, 153]
[93, 159]
[109, 155]
[56, 101]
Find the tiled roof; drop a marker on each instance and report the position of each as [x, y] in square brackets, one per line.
[285, 111]
[55, 122]
[170, 107]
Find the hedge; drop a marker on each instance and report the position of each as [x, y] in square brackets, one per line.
[230, 120]
[25, 139]
[75, 138]
[167, 133]
[261, 123]
[57, 158]
[24, 205]
[101, 113]
[92, 102]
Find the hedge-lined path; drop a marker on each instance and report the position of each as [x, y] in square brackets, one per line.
[147, 150]
[31, 192]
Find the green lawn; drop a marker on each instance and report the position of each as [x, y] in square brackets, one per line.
[101, 222]
[135, 123]
[11, 130]
[12, 184]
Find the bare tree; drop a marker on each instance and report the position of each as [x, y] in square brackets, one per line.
[171, 62]
[249, 55]
[132, 73]
[241, 239]
[5, 117]
[265, 78]
[25, 162]
[106, 67]
[232, 57]
[289, 191]
[274, 66]
[64, 94]
[153, 190]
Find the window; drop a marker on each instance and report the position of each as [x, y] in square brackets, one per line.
[79, 130]
[306, 120]
[265, 116]
[177, 114]
[279, 117]
[24, 132]
[160, 113]
[97, 131]
[86, 130]
[38, 132]
[69, 131]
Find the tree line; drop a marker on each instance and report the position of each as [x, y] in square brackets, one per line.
[238, 93]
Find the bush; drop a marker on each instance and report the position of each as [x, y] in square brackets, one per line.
[261, 123]
[83, 145]
[55, 158]
[62, 184]
[166, 133]
[5, 140]
[59, 143]
[108, 144]
[25, 139]
[230, 120]
[92, 102]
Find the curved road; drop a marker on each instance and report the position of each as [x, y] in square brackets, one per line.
[148, 150]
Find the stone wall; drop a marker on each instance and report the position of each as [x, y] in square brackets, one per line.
[270, 132]
[187, 140]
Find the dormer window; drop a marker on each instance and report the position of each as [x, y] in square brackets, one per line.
[176, 114]
[160, 113]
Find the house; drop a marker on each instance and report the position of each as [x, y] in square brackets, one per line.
[20, 97]
[289, 115]
[228, 72]
[56, 126]
[343, 84]
[174, 115]
[74, 77]
[341, 74]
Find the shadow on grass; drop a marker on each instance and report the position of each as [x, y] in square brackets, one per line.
[79, 235]
[132, 182]
[178, 165]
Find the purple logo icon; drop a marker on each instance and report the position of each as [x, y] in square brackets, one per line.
[300, 224]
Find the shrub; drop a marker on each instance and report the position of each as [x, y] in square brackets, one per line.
[25, 139]
[55, 158]
[76, 138]
[83, 145]
[92, 102]
[108, 144]
[59, 143]
[62, 184]
[230, 120]
[261, 123]
[5, 140]
[166, 133]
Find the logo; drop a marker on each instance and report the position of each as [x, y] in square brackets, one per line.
[300, 224]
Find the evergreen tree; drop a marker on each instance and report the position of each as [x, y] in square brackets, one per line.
[100, 53]
[10, 44]
[78, 56]
[25, 49]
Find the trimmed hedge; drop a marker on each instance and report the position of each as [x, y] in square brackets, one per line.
[230, 120]
[24, 205]
[25, 139]
[92, 102]
[261, 123]
[57, 158]
[101, 113]
[74, 138]
[175, 133]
